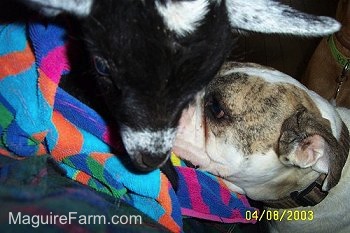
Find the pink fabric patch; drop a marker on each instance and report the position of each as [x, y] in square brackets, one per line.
[106, 137]
[225, 194]
[195, 192]
[55, 63]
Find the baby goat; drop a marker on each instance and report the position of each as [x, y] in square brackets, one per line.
[153, 56]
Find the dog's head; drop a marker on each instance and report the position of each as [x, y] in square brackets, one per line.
[153, 56]
[263, 132]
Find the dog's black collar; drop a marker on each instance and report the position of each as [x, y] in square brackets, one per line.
[310, 196]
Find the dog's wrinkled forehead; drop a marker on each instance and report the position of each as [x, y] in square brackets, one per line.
[243, 83]
[255, 105]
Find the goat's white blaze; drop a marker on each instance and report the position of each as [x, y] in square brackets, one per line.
[183, 17]
[153, 142]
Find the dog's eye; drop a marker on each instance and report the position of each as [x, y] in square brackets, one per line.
[215, 108]
[101, 66]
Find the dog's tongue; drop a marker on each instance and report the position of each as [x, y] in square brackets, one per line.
[190, 140]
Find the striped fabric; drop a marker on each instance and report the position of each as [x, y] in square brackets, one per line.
[37, 117]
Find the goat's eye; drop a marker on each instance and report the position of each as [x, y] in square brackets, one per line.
[215, 108]
[101, 66]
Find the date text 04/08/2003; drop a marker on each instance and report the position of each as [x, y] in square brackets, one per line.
[277, 215]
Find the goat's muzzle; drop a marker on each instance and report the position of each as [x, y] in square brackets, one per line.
[146, 161]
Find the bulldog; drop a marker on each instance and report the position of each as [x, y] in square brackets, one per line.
[275, 141]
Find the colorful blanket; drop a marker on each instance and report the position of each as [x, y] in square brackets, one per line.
[37, 117]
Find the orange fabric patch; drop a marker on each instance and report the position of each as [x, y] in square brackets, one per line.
[41, 150]
[83, 178]
[40, 136]
[69, 141]
[17, 62]
[47, 87]
[5, 152]
[101, 157]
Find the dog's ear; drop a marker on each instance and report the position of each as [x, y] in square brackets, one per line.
[310, 151]
[307, 141]
[269, 16]
[79, 8]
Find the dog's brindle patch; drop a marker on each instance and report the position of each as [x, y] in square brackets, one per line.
[255, 101]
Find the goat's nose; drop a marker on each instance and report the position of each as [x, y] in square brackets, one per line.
[153, 161]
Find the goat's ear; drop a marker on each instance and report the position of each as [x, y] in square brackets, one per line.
[269, 16]
[306, 141]
[79, 8]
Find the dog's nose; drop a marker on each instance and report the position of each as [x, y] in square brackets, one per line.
[151, 161]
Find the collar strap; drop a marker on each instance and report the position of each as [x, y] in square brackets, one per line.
[338, 56]
[310, 196]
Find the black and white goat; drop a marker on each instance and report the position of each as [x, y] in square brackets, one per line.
[155, 55]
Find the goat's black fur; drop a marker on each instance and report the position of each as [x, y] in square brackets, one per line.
[154, 74]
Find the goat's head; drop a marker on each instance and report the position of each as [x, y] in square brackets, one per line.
[153, 56]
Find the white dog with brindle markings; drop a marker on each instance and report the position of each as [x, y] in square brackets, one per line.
[274, 140]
